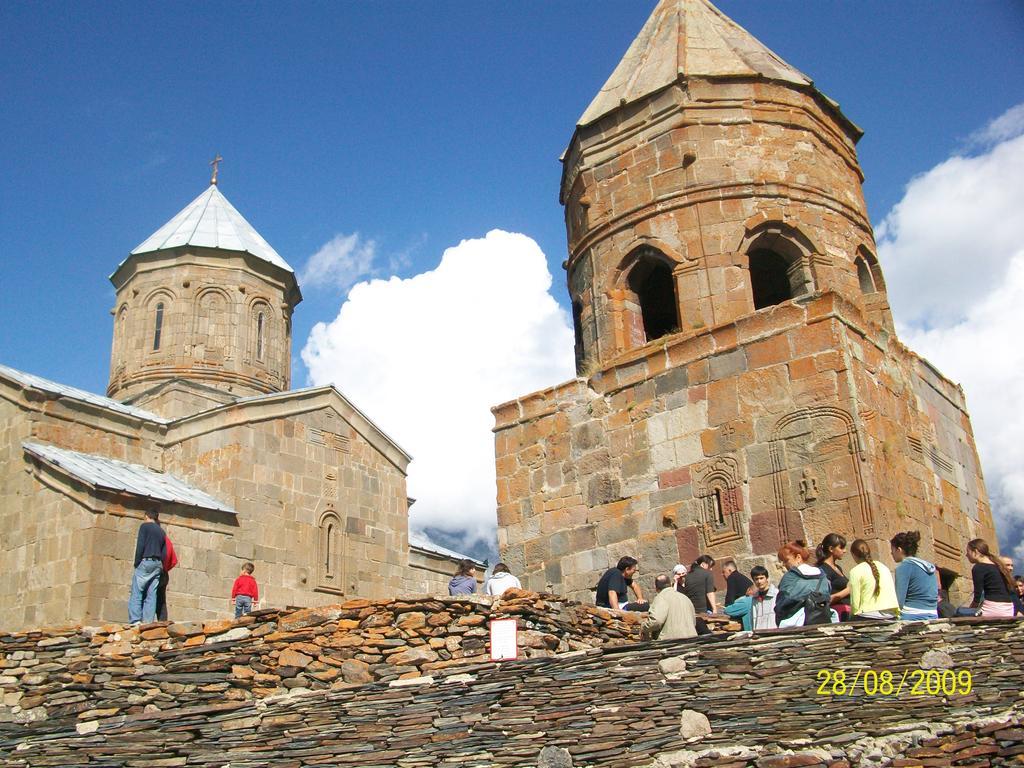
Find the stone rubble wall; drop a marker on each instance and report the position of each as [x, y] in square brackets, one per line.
[86, 673]
[725, 700]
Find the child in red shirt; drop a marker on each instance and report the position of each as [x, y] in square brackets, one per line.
[244, 591]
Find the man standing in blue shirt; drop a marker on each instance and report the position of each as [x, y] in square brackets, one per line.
[150, 547]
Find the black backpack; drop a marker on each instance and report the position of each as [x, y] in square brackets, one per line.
[818, 608]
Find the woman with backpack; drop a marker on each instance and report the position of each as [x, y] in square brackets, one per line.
[804, 591]
[872, 590]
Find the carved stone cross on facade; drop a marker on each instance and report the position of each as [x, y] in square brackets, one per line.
[214, 163]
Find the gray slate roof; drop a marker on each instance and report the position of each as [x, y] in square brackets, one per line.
[112, 475]
[210, 221]
[422, 542]
[686, 38]
[63, 390]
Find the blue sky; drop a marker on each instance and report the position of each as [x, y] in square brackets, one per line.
[413, 125]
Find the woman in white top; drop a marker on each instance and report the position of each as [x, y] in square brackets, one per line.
[501, 579]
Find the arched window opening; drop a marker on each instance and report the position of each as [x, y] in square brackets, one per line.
[867, 264]
[328, 559]
[577, 328]
[329, 562]
[719, 510]
[867, 283]
[259, 336]
[652, 282]
[769, 279]
[122, 330]
[158, 325]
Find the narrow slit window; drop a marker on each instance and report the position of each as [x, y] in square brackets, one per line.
[719, 513]
[328, 565]
[158, 325]
[259, 336]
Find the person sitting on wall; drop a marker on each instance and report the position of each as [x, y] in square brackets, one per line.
[742, 607]
[736, 584]
[700, 585]
[464, 580]
[150, 548]
[614, 584]
[872, 587]
[917, 580]
[994, 586]
[671, 614]
[762, 609]
[501, 579]
[1019, 603]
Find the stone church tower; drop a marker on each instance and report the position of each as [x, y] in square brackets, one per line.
[203, 313]
[741, 383]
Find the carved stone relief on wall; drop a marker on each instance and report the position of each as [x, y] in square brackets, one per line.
[717, 487]
[816, 456]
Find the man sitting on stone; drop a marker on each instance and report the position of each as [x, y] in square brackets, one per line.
[671, 616]
[612, 588]
[736, 584]
[700, 585]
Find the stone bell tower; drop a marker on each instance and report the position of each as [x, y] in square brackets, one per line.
[203, 313]
[740, 381]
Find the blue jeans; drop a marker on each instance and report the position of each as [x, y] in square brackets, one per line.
[142, 599]
[243, 605]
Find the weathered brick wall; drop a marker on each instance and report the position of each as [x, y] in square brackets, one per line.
[627, 705]
[705, 174]
[790, 423]
[81, 673]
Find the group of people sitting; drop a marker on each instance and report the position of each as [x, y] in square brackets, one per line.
[815, 589]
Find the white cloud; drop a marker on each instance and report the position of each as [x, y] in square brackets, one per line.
[339, 262]
[946, 244]
[426, 358]
[954, 263]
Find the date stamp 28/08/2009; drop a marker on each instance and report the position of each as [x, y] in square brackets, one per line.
[884, 682]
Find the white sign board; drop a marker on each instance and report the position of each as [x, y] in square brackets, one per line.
[504, 640]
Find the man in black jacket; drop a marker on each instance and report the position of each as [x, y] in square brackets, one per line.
[150, 547]
[736, 584]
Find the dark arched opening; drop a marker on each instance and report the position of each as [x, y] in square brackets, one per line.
[769, 279]
[867, 283]
[652, 282]
[577, 328]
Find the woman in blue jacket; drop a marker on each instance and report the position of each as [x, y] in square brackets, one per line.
[917, 584]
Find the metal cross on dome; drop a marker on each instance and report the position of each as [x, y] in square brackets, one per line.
[215, 162]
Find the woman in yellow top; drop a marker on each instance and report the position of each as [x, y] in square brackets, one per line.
[872, 590]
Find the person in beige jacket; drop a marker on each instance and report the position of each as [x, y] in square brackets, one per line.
[671, 615]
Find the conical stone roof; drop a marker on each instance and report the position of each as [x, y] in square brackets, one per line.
[210, 221]
[686, 38]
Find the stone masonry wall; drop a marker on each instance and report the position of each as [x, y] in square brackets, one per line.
[74, 674]
[796, 421]
[211, 300]
[308, 486]
[733, 701]
[705, 174]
